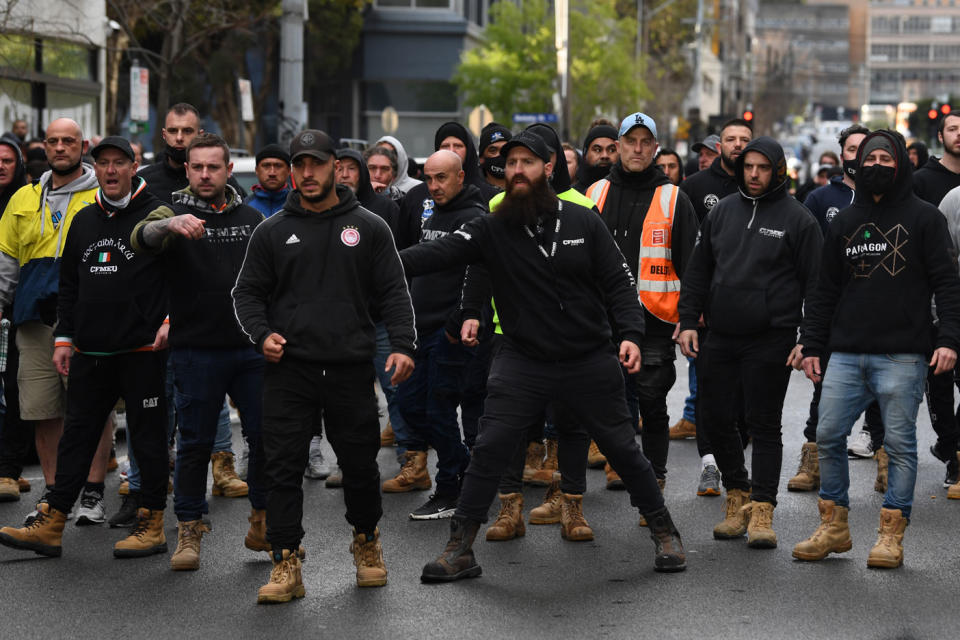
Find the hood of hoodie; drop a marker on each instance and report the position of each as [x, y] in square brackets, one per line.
[58, 199]
[773, 152]
[902, 179]
[923, 154]
[560, 180]
[471, 166]
[403, 182]
[468, 197]
[347, 202]
[187, 198]
[364, 187]
[19, 172]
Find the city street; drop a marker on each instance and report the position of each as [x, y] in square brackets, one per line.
[538, 586]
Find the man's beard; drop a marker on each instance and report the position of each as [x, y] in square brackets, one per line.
[955, 151]
[728, 162]
[519, 208]
[329, 185]
[68, 170]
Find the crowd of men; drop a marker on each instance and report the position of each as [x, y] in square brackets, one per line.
[518, 300]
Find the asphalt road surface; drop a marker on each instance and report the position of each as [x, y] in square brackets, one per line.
[539, 586]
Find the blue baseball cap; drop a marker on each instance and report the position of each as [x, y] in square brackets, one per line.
[638, 120]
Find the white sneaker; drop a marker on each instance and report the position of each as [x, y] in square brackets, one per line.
[91, 509]
[861, 445]
[243, 461]
[317, 467]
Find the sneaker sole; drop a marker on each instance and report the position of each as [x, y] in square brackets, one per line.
[40, 549]
[316, 476]
[86, 521]
[140, 553]
[860, 455]
[298, 592]
[440, 515]
[472, 572]
[708, 492]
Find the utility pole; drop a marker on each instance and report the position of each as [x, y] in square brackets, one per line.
[562, 42]
[293, 115]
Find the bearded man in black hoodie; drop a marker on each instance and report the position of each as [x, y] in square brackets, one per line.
[889, 245]
[754, 264]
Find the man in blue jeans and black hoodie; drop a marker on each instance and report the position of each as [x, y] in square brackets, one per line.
[888, 245]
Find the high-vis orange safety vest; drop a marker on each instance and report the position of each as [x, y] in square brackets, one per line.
[657, 283]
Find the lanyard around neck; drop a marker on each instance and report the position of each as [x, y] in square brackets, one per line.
[556, 234]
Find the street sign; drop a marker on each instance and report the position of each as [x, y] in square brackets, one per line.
[246, 99]
[389, 120]
[533, 118]
[479, 118]
[139, 94]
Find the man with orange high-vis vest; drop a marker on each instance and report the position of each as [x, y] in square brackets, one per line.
[655, 226]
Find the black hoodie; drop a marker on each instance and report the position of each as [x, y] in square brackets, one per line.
[163, 180]
[708, 187]
[933, 181]
[756, 258]
[560, 178]
[366, 196]
[624, 212]
[19, 173]
[882, 262]
[313, 278]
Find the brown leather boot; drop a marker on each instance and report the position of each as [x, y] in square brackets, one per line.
[534, 460]
[544, 476]
[413, 475]
[887, 553]
[187, 555]
[226, 482]
[43, 535]
[509, 523]
[387, 437]
[573, 526]
[368, 558]
[285, 582]
[832, 536]
[457, 560]
[614, 482]
[146, 538]
[883, 464]
[9, 490]
[808, 475]
[953, 491]
[734, 523]
[683, 429]
[670, 556]
[595, 459]
[549, 512]
[256, 539]
[760, 533]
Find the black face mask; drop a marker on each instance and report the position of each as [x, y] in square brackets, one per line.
[494, 166]
[177, 155]
[850, 168]
[877, 179]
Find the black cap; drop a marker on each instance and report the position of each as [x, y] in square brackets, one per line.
[493, 132]
[114, 142]
[531, 141]
[273, 151]
[312, 142]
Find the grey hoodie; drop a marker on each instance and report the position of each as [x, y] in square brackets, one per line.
[402, 182]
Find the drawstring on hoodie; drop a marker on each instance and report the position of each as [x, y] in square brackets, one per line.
[754, 215]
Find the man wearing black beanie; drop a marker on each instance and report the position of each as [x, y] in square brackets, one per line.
[600, 153]
[273, 174]
[492, 137]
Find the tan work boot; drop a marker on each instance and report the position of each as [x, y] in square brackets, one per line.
[614, 482]
[760, 534]
[595, 459]
[509, 523]
[661, 483]
[883, 465]
[953, 491]
[124, 488]
[285, 582]
[683, 429]
[256, 539]
[808, 475]
[187, 555]
[549, 511]
[43, 535]
[832, 536]
[146, 538]
[887, 553]
[734, 523]
[387, 437]
[226, 482]
[9, 490]
[544, 476]
[23, 484]
[534, 460]
[573, 526]
[413, 474]
[368, 557]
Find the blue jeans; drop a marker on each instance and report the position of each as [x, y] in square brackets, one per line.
[690, 404]
[429, 400]
[850, 384]
[203, 377]
[390, 390]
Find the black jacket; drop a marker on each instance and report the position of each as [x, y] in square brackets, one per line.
[19, 172]
[882, 261]
[624, 211]
[202, 272]
[163, 180]
[756, 258]
[708, 187]
[436, 296]
[366, 196]
[313, 277]
[933, 181]
[112, 299]
[551, 309]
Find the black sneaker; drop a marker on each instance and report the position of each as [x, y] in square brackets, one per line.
[953, 472]
[436, 508]
[126, 517]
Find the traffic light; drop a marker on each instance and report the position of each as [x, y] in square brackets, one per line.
[932, 114]
[945, 109]
[748, 115]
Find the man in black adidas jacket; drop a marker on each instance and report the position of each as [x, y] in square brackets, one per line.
[111, 304]
[312, 273]
[203, 237]
[556, 273]
[754, 264]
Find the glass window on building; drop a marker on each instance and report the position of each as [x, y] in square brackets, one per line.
[84, 108]
[916, 52]
[916, 24]
[14, 103]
